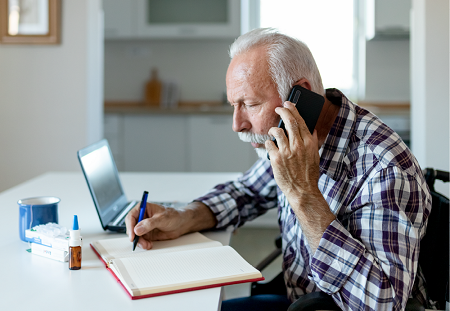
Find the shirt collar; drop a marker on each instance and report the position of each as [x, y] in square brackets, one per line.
[334, 149]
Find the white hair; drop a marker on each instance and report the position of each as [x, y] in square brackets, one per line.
[289, 59]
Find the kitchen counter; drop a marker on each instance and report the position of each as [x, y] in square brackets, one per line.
[386, 108]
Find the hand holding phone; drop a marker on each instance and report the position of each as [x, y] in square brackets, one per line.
[308, 104]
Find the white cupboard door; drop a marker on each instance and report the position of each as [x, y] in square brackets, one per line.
[155, 143]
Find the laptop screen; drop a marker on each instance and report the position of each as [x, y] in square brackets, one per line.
[103, 180]
[100, 170]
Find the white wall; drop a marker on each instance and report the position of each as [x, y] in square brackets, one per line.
[199, 66]
[51, 97]
[430, 84]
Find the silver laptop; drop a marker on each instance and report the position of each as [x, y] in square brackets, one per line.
[103, 180]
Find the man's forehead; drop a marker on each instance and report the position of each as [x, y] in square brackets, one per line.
[247, 70]
[252, 60]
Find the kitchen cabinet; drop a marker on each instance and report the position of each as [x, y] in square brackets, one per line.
[176, 143]
[188, 18]
[154, 143]
[171, 19]
[180, 143]
[213, 146]
[388, 19]
[120, 21]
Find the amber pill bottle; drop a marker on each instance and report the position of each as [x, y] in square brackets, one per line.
[75, 246]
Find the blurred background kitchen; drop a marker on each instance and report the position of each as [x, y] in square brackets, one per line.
[149, 75]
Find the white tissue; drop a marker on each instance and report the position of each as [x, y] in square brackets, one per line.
[51, 229]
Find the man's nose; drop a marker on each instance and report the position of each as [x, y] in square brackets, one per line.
[240, 121]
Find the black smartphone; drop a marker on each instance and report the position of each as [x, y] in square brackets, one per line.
[308, 104]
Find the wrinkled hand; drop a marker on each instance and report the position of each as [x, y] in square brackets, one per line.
[296, 161]
[166, 223]
[295, 165]
[159, 223]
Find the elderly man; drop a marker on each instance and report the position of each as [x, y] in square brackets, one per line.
[352, 202]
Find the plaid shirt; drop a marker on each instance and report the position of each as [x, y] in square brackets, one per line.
[367, 259]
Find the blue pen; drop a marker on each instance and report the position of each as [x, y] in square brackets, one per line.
[141, 216]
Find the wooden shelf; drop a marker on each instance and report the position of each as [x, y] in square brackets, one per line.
[128, 107]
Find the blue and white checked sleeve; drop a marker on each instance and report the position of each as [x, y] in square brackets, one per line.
[235, 202]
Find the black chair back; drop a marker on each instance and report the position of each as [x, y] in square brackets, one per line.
[434, 247]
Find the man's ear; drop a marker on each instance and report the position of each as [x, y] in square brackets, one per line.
[303, 82]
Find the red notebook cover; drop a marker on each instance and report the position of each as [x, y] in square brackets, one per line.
[173, 291]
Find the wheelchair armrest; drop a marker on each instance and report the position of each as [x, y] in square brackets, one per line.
[314, 301]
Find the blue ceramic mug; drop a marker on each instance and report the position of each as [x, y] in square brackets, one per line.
[36, 211]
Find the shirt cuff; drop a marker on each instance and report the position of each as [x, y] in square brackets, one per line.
[224, 209]
[335, 258]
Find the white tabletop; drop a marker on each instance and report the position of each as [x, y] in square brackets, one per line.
[30, 282]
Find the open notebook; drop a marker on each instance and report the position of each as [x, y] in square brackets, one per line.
[188, 263]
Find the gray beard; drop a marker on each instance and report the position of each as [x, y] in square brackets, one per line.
[256, 138]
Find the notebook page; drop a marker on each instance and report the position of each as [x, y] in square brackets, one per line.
[122, 247]
[172, 271]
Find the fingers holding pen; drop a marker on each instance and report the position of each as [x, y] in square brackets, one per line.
[145, 226]
[149, 230]
[158, 223]
[130, 221]
[145, 243]
[132, 218]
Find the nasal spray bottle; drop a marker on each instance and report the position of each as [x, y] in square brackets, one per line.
[75, 246]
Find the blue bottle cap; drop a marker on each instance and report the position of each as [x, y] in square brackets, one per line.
[75, 222]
